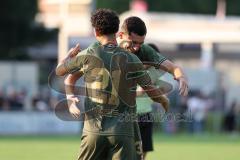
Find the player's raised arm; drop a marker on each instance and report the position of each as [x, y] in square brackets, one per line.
[61, 68]
[178, 74]
[163, 63]
[71, 65]
[70, 82]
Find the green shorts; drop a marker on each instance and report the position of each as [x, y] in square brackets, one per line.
[104, 147]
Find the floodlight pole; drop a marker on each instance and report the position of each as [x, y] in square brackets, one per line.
[221, 9]
[207, 55]
[63, 34]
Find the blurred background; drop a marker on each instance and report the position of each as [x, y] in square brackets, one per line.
[201, 36]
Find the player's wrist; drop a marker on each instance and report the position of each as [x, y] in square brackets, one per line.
[70, 96]
[180, 77]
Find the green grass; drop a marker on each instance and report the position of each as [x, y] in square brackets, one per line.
[205, 147]
[174, 147]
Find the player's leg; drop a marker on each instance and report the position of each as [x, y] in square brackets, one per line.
[93, 147]
[121, 148]
[138, 142]
[146, 127]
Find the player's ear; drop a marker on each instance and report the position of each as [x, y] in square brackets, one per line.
[96, 33]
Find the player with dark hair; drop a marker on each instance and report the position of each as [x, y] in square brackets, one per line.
[110, 74]
[144, 109]
[134, 25]
[105, 22]
[133, 30]
[131, 37]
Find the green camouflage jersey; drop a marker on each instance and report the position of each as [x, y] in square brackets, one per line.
[150, 56]
[111, 75]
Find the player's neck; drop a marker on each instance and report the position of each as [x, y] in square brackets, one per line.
[107, 39]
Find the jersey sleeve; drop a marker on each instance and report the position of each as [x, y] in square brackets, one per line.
[151, 56]
[76, 63]
[139, 73]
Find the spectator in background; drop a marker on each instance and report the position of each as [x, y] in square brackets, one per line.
[3, 102]
[39, 104]
[197, 107]
[230, 118]
[15, 100]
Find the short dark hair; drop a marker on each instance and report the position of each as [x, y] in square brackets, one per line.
[105, 21]
[135, 25]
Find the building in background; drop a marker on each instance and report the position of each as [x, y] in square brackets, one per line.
[74, 15]
[70, 16]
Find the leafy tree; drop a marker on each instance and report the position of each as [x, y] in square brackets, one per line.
[18, 28]
[184, 6]
[179, 6]
[118, 5]
[233, 7]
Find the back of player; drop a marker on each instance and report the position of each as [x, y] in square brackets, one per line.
[111, 75]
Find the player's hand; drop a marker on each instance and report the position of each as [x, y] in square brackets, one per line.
[140, 91]
[165, 102]
[146, 66]
[72, 106]
[183, 85]
[72, 53]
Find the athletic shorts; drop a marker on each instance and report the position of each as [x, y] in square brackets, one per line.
[102, 147]
[146, 128]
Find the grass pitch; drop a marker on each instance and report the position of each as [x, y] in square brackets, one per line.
[174, 147]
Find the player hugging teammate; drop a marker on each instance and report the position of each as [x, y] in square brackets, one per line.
[111, 74]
